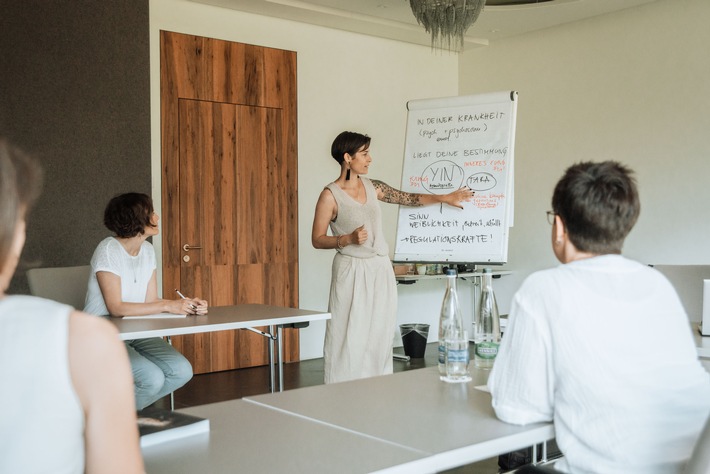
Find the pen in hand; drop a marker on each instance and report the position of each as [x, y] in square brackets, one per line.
[192, 306]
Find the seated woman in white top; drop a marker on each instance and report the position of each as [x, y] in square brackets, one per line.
[123, 282]
[601, 344]
[66, 384]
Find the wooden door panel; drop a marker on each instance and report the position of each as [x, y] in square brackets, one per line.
[213, 186]
[271, 283]
[251, 190]
[217, 282]
[281, 92]
[230, 156]
[208, 201]
[229, 159]
[277, 226]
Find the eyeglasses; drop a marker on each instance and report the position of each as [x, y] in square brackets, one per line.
[551, 217]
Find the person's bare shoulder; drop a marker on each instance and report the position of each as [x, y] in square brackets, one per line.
[93, 342]
[326, 205]
[91, 329]
[326, 196]
[102, 378]
[98, 359]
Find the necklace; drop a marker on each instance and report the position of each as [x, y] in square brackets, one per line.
[133, 266]
[133, 258]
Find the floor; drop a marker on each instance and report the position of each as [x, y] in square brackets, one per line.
[233, 384]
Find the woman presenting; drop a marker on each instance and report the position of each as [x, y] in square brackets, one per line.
[363, 295]
[123, 282]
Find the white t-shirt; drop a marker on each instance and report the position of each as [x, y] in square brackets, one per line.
[42, 427]
[135, 273]
[603, 347]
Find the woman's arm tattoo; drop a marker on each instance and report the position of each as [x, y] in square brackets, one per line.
[395, 196]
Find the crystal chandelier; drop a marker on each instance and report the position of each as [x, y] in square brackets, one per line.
[446, 20]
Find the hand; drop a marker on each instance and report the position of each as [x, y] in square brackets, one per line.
[359, 235]
[181, 306]
[200, 306]
[194, 306]
[455, 198]
[189, 306]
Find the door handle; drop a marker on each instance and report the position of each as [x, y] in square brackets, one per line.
[188, 247]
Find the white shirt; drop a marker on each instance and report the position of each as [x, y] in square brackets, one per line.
[42, 421]
[603, 347]
[135, 273]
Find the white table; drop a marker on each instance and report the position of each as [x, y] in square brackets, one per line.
[409, 422]
[221, 318]
[454, 424]
[249, 438]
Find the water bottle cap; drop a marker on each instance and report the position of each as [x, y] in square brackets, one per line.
[451, 272]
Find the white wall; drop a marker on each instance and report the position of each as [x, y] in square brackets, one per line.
[346, 81]
[630, 86]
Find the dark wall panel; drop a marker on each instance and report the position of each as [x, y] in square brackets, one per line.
[74, 91]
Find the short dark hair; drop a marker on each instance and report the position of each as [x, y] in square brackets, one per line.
[599, 205]
[127, 215]
[20, 185]
[347, 142]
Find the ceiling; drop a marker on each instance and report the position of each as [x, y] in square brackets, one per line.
[393, 19]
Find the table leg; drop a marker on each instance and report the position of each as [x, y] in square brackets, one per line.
[272, 337]
[271, 360]
[279, 337]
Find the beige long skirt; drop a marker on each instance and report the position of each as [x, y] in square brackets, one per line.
[363, 305]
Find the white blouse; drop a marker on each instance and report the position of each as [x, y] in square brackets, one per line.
[135, 273]
[602, 347]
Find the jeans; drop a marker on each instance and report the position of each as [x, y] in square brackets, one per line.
[158, 369]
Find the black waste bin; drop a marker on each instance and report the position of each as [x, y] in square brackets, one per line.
[414, 337]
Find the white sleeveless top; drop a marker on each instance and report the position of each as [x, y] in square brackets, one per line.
[352, 214]
[42, 423]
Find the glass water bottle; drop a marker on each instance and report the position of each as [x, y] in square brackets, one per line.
[450, 316]
[487, 325]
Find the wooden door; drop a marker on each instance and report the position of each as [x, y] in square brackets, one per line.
[229, 187]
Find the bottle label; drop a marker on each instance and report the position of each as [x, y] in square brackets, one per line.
[458, 356]
[486, 350]
[442, 354]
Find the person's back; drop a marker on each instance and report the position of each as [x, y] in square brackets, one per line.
[43, 422]
[629, 392]
[66, 384]
[601, 345]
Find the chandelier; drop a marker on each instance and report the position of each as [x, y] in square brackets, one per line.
[446, 20]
